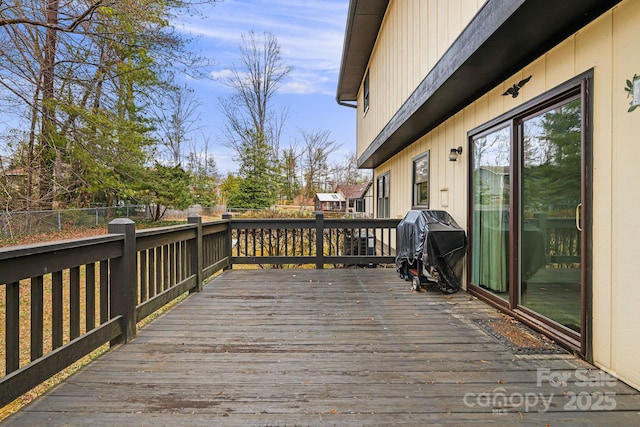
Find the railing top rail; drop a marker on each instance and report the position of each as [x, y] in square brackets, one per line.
[164, 230]
[215, 222]
[272, 220]
[50, 247]
[310, 222]
[361, 222]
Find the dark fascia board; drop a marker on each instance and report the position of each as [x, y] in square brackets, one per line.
[363, 25]
[503, 37]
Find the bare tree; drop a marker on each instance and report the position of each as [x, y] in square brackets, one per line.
[317, 147]
[348, 173]
[177, 117]
[255, 81]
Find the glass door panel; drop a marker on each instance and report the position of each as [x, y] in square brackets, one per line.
[550, 200]
[490, 250]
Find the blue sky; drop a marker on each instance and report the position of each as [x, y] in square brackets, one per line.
[310, 33]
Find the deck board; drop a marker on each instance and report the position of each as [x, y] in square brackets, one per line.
[349, 347]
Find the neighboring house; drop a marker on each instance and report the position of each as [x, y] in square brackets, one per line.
[329, 202]
[356, 197]
[529, 98]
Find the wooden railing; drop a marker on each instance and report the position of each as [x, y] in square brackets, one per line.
[96, 290]
[318, 241]
[561, 239]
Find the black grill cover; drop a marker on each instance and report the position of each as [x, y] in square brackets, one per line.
[434, 238]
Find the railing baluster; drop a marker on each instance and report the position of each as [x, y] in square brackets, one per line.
[37, 319]
[388, 240]
[152, 272]
[254, 250]
[74, 302]
[179, 264]
[90, 296]
[178, 259]
[333, 241]
[319, 241]
[310, 241]
[307, 243]
[104, 291]
[211, 245]
[207, 246]
[176, 262]
[12, 337]
[172, 265]
[186, 255]
[57, 327]
[142, 272]
[165, 268]
[293, 243]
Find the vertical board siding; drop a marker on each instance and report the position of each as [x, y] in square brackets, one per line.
[624, 137]
[413, 37]
[608, 45]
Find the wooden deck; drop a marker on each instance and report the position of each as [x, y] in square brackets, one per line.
[349, 347]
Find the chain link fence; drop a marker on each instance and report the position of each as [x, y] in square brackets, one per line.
[24, 223]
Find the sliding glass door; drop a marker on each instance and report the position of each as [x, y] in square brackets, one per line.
[528, 209]
[551, 204]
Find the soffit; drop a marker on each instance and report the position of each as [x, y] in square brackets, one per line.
[363, 24]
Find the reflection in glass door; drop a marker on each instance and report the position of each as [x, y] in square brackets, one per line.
[490, 201]
[550, 207]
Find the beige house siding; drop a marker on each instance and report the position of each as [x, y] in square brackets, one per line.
[609, 46]
[404, 39]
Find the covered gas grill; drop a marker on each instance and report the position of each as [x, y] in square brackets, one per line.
[431, 249]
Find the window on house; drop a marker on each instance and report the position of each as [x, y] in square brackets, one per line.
[365, 93]
[421, 181]
[383, 196]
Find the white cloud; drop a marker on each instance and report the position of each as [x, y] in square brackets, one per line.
[310, 34]
[298, 88]
[221, 74]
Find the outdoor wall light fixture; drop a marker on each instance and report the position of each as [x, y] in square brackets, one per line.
[454, 153]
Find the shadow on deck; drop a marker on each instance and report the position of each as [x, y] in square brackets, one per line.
[347, 347]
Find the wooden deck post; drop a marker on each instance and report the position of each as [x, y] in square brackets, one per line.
[197, 259]
[319, 240]
[124, 290]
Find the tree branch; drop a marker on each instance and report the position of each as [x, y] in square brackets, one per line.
[23, 20]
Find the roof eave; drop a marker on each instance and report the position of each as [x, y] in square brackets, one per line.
[502, 38]
[363, 25]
